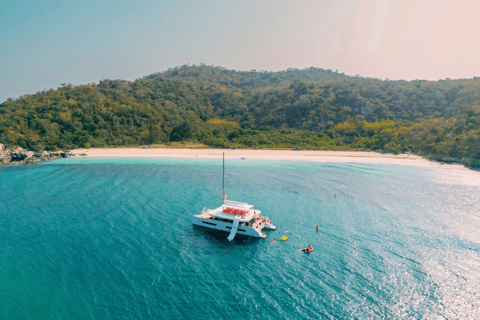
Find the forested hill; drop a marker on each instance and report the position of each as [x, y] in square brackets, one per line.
[310, 108]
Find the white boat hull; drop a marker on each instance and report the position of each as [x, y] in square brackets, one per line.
[227, 227]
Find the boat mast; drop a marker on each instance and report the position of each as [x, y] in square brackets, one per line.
[223, 185]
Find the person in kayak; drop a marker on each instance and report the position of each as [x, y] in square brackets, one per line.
[307, 249]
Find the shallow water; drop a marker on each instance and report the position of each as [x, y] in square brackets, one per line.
[113, 239]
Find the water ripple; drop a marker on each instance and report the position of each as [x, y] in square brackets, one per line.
[113, 239]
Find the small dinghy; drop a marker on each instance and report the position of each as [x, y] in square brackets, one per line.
[307, 250]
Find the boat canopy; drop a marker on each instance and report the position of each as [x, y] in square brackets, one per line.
[230, 210]
[237, 205]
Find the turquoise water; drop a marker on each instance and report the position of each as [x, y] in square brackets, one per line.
[113, 239]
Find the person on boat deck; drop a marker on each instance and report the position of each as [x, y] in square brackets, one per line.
[309, 247]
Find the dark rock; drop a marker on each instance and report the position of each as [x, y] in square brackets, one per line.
[18, 156]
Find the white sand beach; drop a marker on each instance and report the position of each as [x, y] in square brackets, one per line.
[282, 155]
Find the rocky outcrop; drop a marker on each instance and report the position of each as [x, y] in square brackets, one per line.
[19, 156]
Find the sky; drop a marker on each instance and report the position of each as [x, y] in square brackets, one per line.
[46, 43]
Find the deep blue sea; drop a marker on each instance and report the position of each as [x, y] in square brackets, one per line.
[113, 239]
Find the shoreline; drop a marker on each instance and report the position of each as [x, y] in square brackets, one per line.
[250, 154]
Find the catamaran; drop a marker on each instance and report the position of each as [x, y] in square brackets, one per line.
[234, 217]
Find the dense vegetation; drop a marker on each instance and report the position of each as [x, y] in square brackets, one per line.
[311, 108]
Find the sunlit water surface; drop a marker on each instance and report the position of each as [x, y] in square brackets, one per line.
[113, 239]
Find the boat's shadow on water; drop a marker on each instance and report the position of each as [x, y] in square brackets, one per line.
[220, 237]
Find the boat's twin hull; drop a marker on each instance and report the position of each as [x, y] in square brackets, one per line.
[227, 227]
